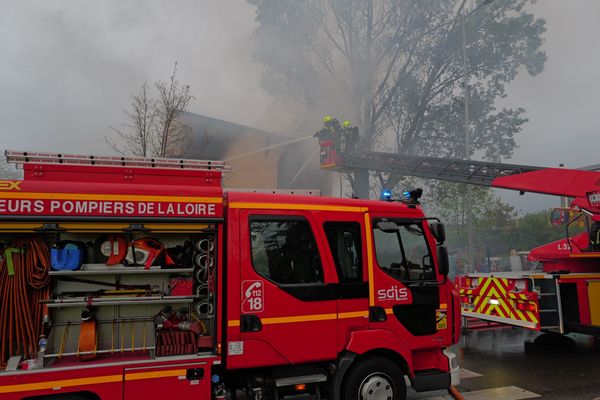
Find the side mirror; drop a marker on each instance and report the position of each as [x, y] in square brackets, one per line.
[438, 231]
[443, 262]
[387, 226]
[559, 216]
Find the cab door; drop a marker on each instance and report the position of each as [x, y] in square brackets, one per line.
[287, 308]
[407, 295]
[345, 238]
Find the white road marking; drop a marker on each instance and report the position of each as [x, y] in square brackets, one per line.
[464, 374]
[506, 393]
[437, 394]
[467, 373]
[499, 393]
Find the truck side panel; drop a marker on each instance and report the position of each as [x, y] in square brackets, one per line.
[148, 380]
[177, 381]
[106, 383]
[594, 301]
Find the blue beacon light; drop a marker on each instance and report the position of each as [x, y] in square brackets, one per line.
[386, 195]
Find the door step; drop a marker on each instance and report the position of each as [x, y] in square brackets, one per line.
[550, 311]
[297, 380]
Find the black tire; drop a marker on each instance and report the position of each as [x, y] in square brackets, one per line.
[66, 396]
[374, 378]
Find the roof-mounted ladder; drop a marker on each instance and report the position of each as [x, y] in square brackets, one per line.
[25, 157]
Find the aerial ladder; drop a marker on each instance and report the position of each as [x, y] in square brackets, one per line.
[565, 295]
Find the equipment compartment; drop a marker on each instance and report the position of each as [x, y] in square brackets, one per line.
[128, 290]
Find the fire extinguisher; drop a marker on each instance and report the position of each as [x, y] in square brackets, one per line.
[220, 392]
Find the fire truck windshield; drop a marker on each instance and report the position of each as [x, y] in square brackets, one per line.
[403, 253]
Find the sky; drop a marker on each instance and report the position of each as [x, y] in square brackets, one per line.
[563, 102]
[68, 68]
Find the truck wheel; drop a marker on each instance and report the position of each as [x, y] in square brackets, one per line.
[67, 396]
[374, 378]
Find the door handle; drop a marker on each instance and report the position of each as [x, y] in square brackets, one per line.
[194, 374]
[250, 323]
[377, 314]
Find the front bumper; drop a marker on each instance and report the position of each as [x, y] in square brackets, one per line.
[453, 368]
[434, 379]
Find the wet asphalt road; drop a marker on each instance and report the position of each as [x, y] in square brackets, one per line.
[552, 367]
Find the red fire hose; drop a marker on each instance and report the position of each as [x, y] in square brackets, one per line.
[23, 283]
[455, 393]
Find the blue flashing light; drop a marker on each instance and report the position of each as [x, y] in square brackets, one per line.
[386, 195]
[413, 196]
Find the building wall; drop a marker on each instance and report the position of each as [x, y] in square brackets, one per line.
[274, 168]
[258, 171]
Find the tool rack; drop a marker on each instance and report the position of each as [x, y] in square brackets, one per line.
[186, 196]
[125, 324]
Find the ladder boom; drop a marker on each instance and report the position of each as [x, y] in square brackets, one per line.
[462, 171]
[342, 153]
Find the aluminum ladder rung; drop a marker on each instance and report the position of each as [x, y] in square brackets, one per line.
[24, 157]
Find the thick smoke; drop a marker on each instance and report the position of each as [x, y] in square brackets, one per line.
[69, 67]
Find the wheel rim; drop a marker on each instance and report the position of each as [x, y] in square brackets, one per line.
[376, 386]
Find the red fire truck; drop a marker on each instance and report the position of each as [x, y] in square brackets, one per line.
[564, 296]
[128, 278]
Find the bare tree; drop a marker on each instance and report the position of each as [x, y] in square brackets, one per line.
[173, 99]
[152, 128]
[140, 126]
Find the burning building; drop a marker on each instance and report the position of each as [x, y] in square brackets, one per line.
[259, 159]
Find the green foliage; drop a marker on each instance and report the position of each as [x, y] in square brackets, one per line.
[448, 201]
[501, 232]
[395, 67]
[533, 230]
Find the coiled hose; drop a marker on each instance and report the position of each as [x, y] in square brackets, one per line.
[22, 287]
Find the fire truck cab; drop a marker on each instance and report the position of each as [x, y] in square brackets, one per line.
[130, 278]
[561, 298]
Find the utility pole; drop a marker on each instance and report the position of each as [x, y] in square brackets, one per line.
[468, 199]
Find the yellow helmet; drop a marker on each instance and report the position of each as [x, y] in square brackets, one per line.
[327, 119]
[346, 124]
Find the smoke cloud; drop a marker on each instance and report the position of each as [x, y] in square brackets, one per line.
[69, 67]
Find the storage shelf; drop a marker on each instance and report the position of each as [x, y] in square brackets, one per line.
[120, 269]
[122, 302]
